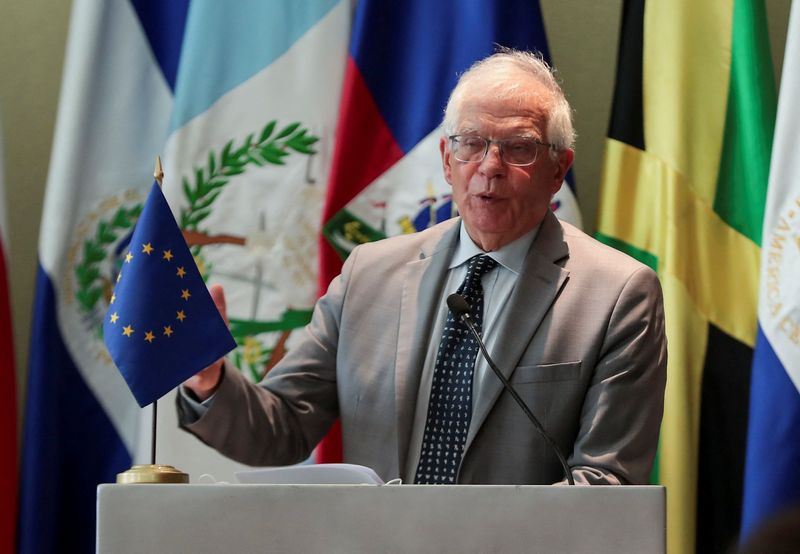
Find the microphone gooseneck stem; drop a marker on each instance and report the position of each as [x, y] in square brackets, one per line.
[567, 473]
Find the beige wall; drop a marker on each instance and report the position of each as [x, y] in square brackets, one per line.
[32, 39]
[583, 41]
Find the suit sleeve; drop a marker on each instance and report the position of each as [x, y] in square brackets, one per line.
[622, 411]
[280, 420]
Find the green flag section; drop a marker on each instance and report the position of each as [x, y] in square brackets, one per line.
[683, 190]
[345, 231]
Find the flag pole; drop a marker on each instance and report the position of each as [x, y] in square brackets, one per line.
[158, 174]
[152, 472]
[153, 437]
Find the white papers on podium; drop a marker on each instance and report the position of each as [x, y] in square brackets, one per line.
[312, 474]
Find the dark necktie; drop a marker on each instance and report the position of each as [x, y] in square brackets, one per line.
[450, 404]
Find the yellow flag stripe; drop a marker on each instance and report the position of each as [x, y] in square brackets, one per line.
[687, 332]
[714, 262]
[687, 53]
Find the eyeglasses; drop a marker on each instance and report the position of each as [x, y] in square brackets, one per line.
[519, 151]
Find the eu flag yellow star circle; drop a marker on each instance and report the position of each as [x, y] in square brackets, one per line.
[162, 325]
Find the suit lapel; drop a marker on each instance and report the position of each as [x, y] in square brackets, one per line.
[423, 280]
[537, 287]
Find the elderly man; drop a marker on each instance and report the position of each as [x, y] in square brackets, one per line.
[578, 328]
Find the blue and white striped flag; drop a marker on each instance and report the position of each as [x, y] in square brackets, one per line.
[773, 442]
[81, 422]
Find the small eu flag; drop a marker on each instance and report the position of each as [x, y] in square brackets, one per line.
[162, 325]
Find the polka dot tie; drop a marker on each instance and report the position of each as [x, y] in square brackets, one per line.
[450, 404]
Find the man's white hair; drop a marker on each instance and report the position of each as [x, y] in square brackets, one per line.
[560, 131]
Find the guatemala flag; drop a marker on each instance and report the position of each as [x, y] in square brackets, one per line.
[405, 58]
[240, 101]
[773, 445]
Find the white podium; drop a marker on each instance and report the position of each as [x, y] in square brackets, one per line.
[392, 518]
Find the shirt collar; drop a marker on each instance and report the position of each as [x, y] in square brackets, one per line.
[511, 256]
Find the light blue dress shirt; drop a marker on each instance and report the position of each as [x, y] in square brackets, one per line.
[497, 287]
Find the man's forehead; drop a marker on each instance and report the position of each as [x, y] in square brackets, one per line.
[511, 114]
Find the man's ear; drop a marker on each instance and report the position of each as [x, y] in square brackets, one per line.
[562, 165]
[447, 158]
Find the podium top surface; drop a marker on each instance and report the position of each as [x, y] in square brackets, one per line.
[391, 518]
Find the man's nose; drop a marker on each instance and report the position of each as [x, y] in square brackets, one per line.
[492, 164]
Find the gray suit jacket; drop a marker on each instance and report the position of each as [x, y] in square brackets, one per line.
[582, 340]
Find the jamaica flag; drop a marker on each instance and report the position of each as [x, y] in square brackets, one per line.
[683, 190]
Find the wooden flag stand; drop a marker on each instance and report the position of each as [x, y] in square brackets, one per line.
[153, 473]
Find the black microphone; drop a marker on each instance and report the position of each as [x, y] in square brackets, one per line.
[461, 309]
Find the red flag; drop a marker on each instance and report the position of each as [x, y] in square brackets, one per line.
[8, 396]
